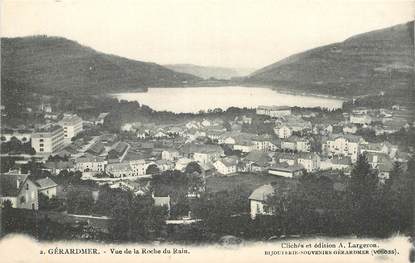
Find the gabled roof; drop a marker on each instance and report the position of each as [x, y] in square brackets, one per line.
[89, 158]
[59, 165]
[281, 155]
[120, 147]
[287, 168]
[381, 157]
[349, 137]
[45, 183]
[262, 193]
[97, 148]
[102, 115]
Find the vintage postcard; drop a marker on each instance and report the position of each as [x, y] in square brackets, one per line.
[207, 131]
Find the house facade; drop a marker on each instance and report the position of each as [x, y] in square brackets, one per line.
[90, 163]
[342, 145]
[283, 131]
[20, 190]
[226, 166]
[72, 125]
[257, 201]
[48, 140]
[47, 187]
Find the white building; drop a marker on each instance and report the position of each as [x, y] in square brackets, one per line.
[244, 146]
[283, 131]
[362, 119]
[257, 201]
[119, 170]
[310, 161]
[295, 143]
[48, 139]
[303, 145]
[286, 170]
[138, 167]
[72, 125]
[336, 163]
[265, 143]
[343, 145]
[352, 129]
[90, 163]
[47, 187]
[274, 111]
[170, 154]
[226, 166]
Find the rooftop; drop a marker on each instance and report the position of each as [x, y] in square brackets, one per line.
[262, 193]
[286, 168]
[48, 129]
[45, 183]
[9, 183]
[71, 119]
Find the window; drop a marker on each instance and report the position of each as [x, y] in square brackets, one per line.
[22, 199]
[41, 149]
[41, 145]
[27, 186]
[40, 140]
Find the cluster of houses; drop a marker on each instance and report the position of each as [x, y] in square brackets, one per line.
[221, 149]
[297, 144]
[23, 190]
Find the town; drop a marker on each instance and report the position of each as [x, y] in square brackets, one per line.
[72, 168]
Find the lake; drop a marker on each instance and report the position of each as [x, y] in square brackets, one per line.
[194, 99]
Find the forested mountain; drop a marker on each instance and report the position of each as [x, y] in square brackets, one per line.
[52, 64]
[381, 60]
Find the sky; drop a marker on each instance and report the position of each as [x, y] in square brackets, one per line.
[228, 33]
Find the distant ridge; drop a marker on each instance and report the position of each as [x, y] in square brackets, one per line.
[54, 64]
[380, 60]
[205, 72]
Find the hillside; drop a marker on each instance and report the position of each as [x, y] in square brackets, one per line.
[52, 65]
[210, 72]
[381, 60]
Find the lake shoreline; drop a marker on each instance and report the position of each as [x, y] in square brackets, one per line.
[195, 99]
[277, 89]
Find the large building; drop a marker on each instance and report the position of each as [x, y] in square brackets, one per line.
[49, 139]
[343, 145]
[72, 125]
[274, 111]
[90, 163]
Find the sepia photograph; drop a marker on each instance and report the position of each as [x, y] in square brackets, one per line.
[182, 130]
